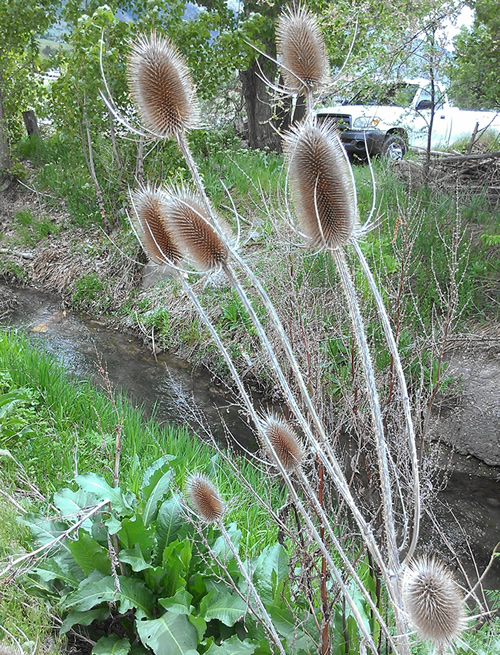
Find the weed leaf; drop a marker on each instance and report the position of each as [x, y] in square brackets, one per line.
[95, 589]
[171, 634]
[89, 555]
[111, 645]
[224, 606]
[168, 522]
[156, 491]
[232, 646]
[83, 618]
[97, 485]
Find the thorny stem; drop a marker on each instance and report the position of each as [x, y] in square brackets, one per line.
[405, 400]
[298, 503]
[382, 452]
[251, 586]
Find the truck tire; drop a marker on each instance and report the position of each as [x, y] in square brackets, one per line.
[394, 147]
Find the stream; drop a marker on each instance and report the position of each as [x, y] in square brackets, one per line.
[468, 508]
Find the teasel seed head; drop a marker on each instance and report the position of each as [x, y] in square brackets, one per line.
[433, 602]
[282, 443]
[191, 225]
[322, 184]
[204, 498]
[148, 218]
[302, 48]
[161, 86]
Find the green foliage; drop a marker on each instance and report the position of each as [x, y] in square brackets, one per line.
[87, 289]
[138, 563]
[476, 61]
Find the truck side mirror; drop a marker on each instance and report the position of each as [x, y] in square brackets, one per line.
[424, 104]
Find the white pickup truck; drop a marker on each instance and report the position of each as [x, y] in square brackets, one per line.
[390, 117]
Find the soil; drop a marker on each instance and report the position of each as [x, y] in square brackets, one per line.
[466, 418]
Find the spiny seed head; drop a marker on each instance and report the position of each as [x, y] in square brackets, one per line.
[161, 86]
[148, 218]
[321, 183]
[282, 443]
[302, 48]
[191, 225]
[204, 498]
[433, 601]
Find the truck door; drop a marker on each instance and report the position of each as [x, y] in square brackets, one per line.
[442, 118]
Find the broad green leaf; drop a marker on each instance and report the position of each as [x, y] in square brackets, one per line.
[233, 646]
[83, 618]
[168, 522]
[270, 568]
[60, 566]
[95, 589]
[134, 594]
[162, 464]
[89, 555]
[221, 549]
[45, 531]
[111, 645]
[171, 634]
[70, 503]
[200, 625]
[179, 604]
[134, 558]
[97, 485]
[133, 531]
[154, 493]
[224, 606]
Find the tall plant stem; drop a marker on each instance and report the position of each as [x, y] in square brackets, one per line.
[321, 447]
[404, 397]
[286, 477]
[338, 256]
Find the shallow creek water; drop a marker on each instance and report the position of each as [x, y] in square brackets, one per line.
[468, 509]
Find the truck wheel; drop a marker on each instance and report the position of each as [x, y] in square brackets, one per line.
[394, 147]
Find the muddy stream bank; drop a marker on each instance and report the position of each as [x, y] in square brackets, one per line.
[468, 508]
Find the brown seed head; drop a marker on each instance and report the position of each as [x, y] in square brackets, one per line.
[191, 226]
[302, 48]
[433, 601]
[321, 183]
[148, 218]
[161, 86]
[282, 443]
[204, 498]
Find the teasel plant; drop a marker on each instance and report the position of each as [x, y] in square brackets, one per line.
[176, 224]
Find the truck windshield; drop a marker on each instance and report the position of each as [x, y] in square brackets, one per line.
[399, 94]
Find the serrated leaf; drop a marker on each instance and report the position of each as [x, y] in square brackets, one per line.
[89, 555]
[162, 464]
[83, 618]
[224, 606]
[171, 634]
[111, 645]
[233, 646]
[154, 493]
[97, 485]
[95, 589]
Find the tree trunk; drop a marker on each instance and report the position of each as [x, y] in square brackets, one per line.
[31, 123]
[4, 141]
[259, 105]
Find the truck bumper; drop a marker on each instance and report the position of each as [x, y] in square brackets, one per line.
[359, 142]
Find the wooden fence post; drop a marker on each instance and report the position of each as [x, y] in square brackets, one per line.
[31, 122]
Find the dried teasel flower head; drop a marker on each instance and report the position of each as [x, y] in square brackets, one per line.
[161, 86]
[322, 184]
[302, 50]
[204, 498]
[282, 443]
[148, 220]
[193, 230]
[433, 602]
